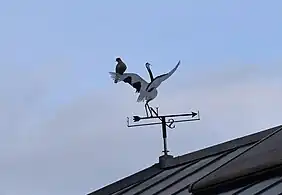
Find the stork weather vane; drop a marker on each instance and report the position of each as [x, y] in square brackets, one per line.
[148, 92]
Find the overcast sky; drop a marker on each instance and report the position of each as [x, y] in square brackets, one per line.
[63, 120]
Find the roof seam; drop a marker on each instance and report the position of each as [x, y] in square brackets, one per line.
[181, 190]
[268, 187]
[191, 173]
[165, 178]
[187, 187]
[127, 181]
[139, 183]
[245, 187]
[125, 189]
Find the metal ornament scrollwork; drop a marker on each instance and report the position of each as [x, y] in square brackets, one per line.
[171, 123]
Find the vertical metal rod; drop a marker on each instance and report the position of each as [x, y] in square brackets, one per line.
[164, 135]
[157, 110]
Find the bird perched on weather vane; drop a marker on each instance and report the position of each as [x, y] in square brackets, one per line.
[120, 68]
[147, 91]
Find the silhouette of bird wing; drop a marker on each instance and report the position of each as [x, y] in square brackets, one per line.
[159, 79]
[132, 79]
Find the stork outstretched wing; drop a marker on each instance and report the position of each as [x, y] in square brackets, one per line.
[159, 79]
[132, 79]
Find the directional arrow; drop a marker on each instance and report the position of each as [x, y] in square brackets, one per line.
[194, 114]
[138, 118]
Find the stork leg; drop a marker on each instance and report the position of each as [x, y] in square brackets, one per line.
[147, 107]
[150, 111]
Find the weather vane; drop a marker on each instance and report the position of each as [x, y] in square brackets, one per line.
[148, 92]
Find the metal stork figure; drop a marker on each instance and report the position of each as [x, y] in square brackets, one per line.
[147, 91]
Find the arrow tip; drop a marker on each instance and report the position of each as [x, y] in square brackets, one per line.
[194, 114]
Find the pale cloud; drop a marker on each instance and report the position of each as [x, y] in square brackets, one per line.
[85, 144]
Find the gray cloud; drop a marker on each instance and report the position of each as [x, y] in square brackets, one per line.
[85, 144]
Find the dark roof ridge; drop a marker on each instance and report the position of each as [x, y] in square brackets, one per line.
[252, 170]
[222, 147]
[255, 177]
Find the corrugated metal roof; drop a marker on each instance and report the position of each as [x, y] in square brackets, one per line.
[180, 172]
